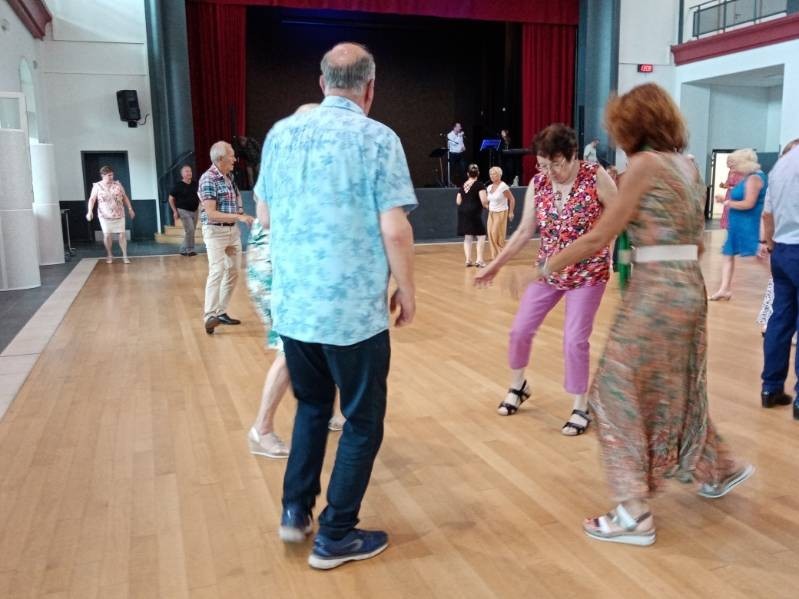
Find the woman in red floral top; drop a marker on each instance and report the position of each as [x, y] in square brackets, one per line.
[564, 201]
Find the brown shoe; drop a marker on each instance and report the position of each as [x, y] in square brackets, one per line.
[211, 324]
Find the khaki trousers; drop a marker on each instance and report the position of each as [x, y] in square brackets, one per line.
[497, 229]
[223, 245]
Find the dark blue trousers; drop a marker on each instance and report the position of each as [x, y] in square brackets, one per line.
[783, 322]
[360, 372]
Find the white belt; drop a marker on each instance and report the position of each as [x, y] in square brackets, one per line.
[666, 253]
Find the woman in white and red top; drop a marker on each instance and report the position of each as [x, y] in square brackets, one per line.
[111, 200]
[501, 205]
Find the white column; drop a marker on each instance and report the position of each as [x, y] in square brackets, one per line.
[19, 254]
[45, 204]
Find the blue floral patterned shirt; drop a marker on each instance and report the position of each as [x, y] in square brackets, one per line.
[327, 175]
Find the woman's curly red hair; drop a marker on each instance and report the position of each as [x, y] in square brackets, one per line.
[646, 118]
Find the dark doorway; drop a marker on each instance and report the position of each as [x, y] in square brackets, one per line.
[92, 163]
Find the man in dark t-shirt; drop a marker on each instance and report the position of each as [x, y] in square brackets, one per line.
[184, 201]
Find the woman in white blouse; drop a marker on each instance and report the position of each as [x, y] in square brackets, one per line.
[501, 204]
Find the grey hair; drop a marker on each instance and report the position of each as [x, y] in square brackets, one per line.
[349, 77]
[218, 151]
[790, 146]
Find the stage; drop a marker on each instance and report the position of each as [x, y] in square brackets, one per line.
[435, 219]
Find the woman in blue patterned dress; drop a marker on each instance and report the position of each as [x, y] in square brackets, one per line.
[743, 226]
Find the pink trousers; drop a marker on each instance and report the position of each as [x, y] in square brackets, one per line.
[581, 307]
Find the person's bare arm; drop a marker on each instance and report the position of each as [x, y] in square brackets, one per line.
[768, 229]
[171, 200]
[126, 200]
[262, 212]
[398, 241]
[215, 216]
[458, 199]
[483, 198]
[517, 241]
[511, 203]
[606, 188]
[92, 202]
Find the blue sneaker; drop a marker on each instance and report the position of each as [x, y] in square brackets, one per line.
[295, 525]
[356, 545]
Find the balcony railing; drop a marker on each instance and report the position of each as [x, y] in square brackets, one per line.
[717, 16]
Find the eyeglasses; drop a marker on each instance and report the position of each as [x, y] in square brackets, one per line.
[551, 165]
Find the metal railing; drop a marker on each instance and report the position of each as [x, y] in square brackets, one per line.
[717, 16]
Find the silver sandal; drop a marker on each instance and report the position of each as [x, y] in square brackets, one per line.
[601, 528]
[728, 484]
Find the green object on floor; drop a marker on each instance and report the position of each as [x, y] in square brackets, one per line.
[624, 260]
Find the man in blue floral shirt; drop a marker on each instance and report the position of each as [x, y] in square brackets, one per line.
[337, 188]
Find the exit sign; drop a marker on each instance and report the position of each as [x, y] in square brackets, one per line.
[646, 68]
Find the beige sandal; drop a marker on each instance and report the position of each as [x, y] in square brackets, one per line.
[268, 446]
[619, 526]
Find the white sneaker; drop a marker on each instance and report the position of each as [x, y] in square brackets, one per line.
[268, 446]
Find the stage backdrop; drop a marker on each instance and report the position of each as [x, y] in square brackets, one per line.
[421, 84]
[217, 30]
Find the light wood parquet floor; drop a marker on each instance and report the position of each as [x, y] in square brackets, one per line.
[124, 469]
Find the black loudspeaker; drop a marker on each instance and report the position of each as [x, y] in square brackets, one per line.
[128, 104]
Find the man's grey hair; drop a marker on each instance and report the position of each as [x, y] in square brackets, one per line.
[218, 151]
[349, 77]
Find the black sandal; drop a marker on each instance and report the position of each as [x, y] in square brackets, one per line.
[522, 394]
[580, 428]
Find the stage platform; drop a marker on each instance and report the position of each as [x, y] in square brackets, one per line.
[435, 219]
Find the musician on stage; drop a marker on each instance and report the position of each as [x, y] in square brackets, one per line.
[457, 154]
[508, 163]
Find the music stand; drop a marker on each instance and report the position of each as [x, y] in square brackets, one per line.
[440, 153]
[492, 145]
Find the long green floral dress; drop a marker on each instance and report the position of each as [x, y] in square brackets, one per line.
[259, 280]
[649, 394]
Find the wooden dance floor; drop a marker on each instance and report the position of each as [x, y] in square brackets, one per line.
[125, 471]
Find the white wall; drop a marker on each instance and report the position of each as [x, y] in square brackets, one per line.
[647, 29]
[95, 49]
[696, 109]
[774, 119]
[786, 54]
[15, 44]
[738, 117]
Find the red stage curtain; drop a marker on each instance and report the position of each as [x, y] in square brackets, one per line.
[548, 54]
[519, 11]
[217, 58]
